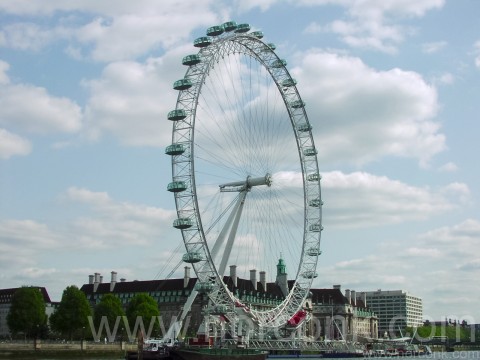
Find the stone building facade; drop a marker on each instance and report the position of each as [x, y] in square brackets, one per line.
[333, 315]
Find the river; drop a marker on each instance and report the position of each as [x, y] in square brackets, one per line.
[456, 355]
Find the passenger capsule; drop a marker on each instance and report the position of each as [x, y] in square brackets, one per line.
[315, 203]
[192, 257]
[278, 63]
[182, 223]
[229, 26]
[297, 104]
[315, 228]
[304, 127]
[272, 46]
[203, 288]
[190, 60]
[257, 34]
[310, 151]
[309, 274]
[215, 30]
[289, 82]
[314, 177]
[178, 114]
[201, 42]
[242, 28]
[314, 251]
[182, 84]
[177, 186]
[175, 149]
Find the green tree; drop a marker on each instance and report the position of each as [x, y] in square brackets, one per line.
[27, 312]
[71, 316]
[145, 307]
[109, 307]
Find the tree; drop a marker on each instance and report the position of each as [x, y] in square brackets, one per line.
[27, 312]
[145, 307]
[109, 307]
[71, 316]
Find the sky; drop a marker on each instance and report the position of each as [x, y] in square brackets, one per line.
[391, 89]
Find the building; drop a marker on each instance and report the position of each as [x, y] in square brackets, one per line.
[396, 309]
[171, 295]
[6, 296]
[337, 316]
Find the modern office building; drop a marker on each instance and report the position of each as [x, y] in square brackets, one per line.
[396, 309]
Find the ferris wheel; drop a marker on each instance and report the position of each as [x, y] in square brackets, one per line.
[245, 177]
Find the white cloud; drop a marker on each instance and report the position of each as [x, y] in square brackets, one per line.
[363, 200]
[28, 233]
[448, 167]
[130, 230]
[4, 67]
[433, 47]
[31, 109]
[131, 100]
[29, 36]
[11, 145]
[115, 223]
[370, 24]
[476, 47]
[117, 31]
[360, 114]
[445, 258]
[446, 79]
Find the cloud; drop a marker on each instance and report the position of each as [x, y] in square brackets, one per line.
[28, 233]
[11, 145]
[93, 226]
[30, 36]
[131, 100]
[114, 31]
[360, 199]
[448, 167]
[476, 47]
[360, 114]
[446, 79]
[27, 109]
[369, 23]
[115, 223]
[44, 114]
[4, 67]
[433, 47]
[444, 258]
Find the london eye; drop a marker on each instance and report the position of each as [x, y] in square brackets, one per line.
[245, 175]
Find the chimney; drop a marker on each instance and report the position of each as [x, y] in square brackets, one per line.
[186, 277]
[96, 282]
[90, 279]
[337, 287]
[233, 274]
[101, 279]
[348, 296]
[123, 280]
[113, 280]
[354, 297]
[364, 298]
[253, 278]
[263, 280]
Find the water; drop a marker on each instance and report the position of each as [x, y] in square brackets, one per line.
[456, 355]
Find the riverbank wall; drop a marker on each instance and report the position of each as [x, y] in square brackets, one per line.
[77, 349]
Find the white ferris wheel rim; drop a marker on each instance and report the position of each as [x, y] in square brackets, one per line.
[185, 183]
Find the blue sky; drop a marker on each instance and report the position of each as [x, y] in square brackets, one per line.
[391, 88]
